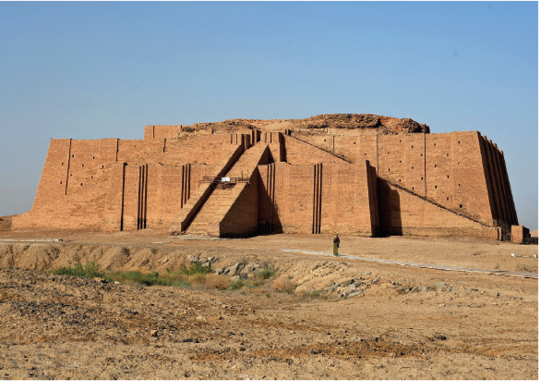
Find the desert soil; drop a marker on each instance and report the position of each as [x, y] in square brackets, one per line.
[346, 319]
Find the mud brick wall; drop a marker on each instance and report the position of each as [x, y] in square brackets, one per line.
[81, 210]
[114, 203]
[200, 196]
[138, 150]
[175, 185]
[83, 164]
[500, 193]
[53, 180]
[449, 168]
[267, 214]
[145, 183]
[241, 219]
[373, 196]
[299, 153]
[345, 199]
[404, 213]
[152, 132]
[206, 149]
[519, 234]
[317, 198]
[131, 197]
[325, 142]
[154, 194]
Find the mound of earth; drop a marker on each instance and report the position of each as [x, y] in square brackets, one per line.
[340, 124]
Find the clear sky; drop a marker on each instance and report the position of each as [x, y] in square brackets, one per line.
[97, 70]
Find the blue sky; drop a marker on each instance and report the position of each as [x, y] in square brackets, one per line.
[95, 70]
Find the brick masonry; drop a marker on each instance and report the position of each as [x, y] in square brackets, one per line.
[519, 234]
[448, 184]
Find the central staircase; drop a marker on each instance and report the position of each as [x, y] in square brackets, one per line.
[208, 207]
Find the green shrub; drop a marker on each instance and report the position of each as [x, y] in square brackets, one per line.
[236, 285]
[195, 268]
[265, 274]
[90, 270]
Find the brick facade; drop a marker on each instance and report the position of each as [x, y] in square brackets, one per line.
[448, 184]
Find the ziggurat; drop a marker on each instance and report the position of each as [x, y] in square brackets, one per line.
[355, 174]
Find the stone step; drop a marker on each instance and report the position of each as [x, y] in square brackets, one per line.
[220, 200]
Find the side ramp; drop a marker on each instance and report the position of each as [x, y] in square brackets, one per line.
[201, 195]
[231, 208]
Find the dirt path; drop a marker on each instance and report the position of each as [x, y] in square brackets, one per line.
[348, 318]
[423, 265]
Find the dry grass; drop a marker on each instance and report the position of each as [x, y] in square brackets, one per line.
[284, 284]
[197, 279]
[214, 281]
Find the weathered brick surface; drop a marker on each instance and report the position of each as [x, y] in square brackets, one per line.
[232, 211]
[203, 192]
[519, 234]
[366, 184]
[404, 213]
[152, 132]
[293, 198]
[299, 152]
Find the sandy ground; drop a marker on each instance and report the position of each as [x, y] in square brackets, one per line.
[346, 319]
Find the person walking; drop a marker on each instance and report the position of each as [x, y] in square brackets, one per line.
[336, 244]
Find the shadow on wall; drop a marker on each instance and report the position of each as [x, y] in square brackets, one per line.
[268, 220]
[389, 210]
[271, 224]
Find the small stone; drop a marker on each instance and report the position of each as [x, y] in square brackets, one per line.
[439, 286]
[154, 333]
[193, 258]
[200, 318]
[97, 279]
[355, 293]
[165, 261]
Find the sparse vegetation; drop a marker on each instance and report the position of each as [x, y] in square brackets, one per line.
[195, 268]
[196, 275]
[90, 270]
[265, 274]
[284, 285]
[181, 278]
[315, 294]
[236, 285]
[214, 281]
